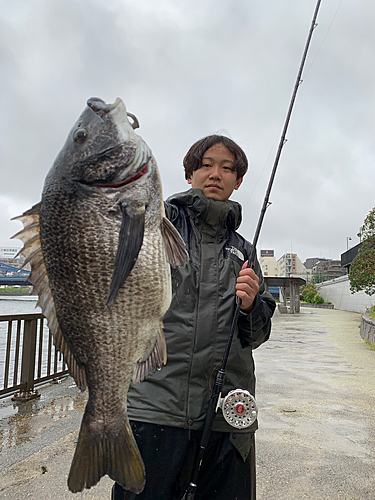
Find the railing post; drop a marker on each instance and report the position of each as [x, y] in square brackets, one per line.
[28, 361]
[28, 354]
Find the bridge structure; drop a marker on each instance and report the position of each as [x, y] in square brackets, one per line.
[10, 275]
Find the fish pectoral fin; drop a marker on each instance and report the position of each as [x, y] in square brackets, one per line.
[129, 245]
[175, 246]
[153, 360]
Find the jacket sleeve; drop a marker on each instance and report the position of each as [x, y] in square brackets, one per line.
[171, 211]
[255, 328]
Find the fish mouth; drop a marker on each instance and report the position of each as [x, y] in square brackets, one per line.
[115, 184]
[101, 108]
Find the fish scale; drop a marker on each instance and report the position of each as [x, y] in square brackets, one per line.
[100, 251]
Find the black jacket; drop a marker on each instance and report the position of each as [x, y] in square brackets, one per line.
[198, 322]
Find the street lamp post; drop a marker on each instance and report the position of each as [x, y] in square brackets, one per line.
[348, 238]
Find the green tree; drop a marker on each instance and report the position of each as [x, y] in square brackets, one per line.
[318, 279]
[368, 229]
[362, 269]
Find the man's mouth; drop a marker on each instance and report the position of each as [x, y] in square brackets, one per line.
[213, 186]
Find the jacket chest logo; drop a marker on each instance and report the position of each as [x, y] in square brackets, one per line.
[233, 250]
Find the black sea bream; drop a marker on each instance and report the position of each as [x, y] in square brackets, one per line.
[100, 248]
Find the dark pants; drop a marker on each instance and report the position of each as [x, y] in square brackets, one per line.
[169, 455]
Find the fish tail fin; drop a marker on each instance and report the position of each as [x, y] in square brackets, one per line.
[116, 455]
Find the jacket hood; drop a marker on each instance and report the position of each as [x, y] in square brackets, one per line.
[207, 211]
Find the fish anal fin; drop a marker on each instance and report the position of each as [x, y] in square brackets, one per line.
[153, 360]
[115, 454]
[129, 244]
[174, 245]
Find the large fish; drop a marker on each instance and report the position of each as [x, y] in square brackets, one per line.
[99, 246]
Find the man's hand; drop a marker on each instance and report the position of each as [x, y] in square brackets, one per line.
[247, 287]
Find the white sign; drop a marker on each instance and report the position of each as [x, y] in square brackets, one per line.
[8, 252]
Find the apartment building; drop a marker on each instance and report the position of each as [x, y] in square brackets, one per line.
[290, 265]
[328, 269]
[268, 263]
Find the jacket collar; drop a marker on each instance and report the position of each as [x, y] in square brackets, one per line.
[207, 213]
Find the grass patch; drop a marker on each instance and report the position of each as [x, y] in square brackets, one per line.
[371, 312]
[14, 290]
[371, 346]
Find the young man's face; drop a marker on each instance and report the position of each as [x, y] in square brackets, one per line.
[217, 176]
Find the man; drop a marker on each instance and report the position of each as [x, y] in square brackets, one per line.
[168, 409]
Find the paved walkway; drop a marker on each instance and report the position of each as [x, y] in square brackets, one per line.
[316, 392]
[316, 441]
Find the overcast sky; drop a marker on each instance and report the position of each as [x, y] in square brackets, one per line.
[189, 68]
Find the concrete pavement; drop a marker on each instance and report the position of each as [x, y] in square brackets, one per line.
[316, 397]
[316, 392]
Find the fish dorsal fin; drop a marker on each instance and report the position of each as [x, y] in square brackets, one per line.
[154, 359]
[129, 244]
[175, 246]
[32, 251]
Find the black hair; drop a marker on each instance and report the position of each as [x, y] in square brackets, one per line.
[193, 158]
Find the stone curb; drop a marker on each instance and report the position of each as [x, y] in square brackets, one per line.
[319, 306]
[367, 330]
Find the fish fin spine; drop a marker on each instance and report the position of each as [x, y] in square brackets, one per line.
[175, 247]
[38, 277]
[152, 362]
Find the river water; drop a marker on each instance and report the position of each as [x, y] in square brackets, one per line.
[18, 305]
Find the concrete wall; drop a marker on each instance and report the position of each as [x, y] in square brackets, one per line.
[338, 292]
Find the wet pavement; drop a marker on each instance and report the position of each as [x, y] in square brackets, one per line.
[316, 437]
[316, 392]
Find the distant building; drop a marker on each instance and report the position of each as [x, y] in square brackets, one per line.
[348, 256]
[268, 263]
[290, 265]
[328, 269]
[310, 262]
[8, 256]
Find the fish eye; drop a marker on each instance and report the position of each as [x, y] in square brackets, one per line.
[80, 135]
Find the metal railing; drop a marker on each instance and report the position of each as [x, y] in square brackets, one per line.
[27, 354]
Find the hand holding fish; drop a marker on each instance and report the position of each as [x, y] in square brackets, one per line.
[247, 287]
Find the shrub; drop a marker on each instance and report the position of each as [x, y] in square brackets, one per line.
[318, 299]
[308, 292]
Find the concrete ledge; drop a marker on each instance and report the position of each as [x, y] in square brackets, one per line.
[367, 329]
[320, 306]
[283, 309]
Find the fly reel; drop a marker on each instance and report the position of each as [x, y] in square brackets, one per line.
[239, 408]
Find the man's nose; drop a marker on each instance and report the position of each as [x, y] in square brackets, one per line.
[215, 172]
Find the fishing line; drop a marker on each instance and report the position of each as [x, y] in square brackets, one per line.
[278, 135]
[263, 169]
[324, 38]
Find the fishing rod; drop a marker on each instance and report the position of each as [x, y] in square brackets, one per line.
[245, 399]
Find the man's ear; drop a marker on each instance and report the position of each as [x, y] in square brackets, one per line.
[238, 183]
[189, 179]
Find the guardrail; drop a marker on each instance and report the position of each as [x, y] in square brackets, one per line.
[27, 355]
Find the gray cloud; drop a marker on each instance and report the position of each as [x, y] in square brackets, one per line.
[191, 68]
